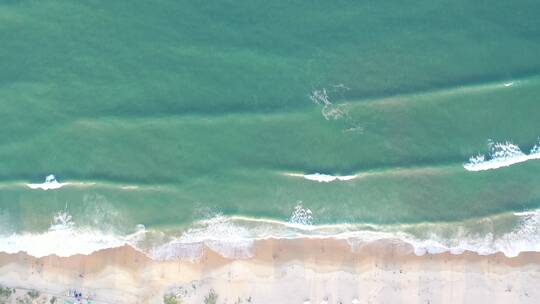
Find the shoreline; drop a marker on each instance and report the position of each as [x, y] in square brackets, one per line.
[230, 235]
[284, 271]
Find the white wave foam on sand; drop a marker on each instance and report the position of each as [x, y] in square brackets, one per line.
[524, 237]
[323, 178]
[501, 155]
[50, 184]
[218, 233]
[233, 236]
[63, 238]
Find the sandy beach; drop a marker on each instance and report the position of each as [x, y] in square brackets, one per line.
[281, 271]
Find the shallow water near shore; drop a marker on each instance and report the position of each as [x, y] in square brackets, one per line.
[173, 125]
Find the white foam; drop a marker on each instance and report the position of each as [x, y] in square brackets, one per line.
[501, 155]
[323, 178]
[233, 237]
[301, 216]
[63, 238]
[509, 84]
[524, 237]
[218, 233]
[50, 184]
[237, 235]
[176, 251]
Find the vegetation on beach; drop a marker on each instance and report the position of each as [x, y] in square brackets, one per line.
[5, 294]
[171, 299]
[28, 298]
[25, 300]
[211, 298]
[33, 294]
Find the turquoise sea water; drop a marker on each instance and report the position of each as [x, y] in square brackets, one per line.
[175, 123]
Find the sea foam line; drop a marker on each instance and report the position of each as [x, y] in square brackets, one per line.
[502, 154]
[64, 238]
[233, 237]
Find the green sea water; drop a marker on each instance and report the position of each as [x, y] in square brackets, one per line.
[169, 113]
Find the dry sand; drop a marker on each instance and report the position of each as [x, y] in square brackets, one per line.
[283, 271]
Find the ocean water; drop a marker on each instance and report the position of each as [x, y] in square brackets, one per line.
[173, 124]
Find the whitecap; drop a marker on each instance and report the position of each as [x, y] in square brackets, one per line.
[323, 178]
[501, 155]
[301, 215]
[50, 184]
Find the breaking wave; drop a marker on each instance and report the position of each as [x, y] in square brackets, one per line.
[323, 178]
[501, 155]
[234, 236]
[50, 184]
[63, 238]
[301, 215]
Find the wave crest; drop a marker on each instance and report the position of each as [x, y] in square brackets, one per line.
[323, 178]
[50, 184]
[502, 154]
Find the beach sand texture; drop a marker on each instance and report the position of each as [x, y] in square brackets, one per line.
[282, 271]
